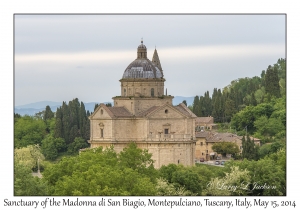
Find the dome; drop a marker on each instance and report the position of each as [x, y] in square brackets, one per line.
[142, 68]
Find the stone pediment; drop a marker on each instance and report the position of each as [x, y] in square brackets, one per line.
[102, 112]
[166, 111]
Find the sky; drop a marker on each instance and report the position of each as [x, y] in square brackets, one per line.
[61, 57]
[67, 58]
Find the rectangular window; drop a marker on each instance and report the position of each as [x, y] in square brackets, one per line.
[101, 133]
[166, 131]
[201, 143]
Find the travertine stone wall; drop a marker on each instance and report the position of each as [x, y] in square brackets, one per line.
[162, 153]
[148, 133]
[137, 105]
[142, 87]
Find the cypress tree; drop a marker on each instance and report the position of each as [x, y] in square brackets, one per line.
[249, 149]
[58, 131]
[272, 81]
[253, 100]
[196, 106]
[96, 106]
[48, 113]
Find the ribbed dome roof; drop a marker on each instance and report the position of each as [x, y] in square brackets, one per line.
[142, 68]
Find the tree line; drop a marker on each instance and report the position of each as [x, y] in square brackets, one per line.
[103, 172]
[66, 130]
[242, 92]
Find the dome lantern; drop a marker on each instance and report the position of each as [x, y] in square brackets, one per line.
[142, 51]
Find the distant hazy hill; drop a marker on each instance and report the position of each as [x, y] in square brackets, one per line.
[32, 108]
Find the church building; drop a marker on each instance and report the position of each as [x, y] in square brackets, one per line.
[144, 115]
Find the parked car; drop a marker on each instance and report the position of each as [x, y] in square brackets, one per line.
[223, 162]
[201, 159]
[217, 162]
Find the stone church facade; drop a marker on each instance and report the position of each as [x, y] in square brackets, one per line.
[144, 115]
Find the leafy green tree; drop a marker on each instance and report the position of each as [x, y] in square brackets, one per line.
[79, 143]
[268, 127]
[101, 172]
[52, 146]
[137, 159]
[194, 179]
[28, 131]
[264, 150]
[259, 95]
[168, 189]
[166, 172]
[28, 156]
[267, 175]
[225, 148]
[189, 179]
[27, 185]
[184, 101]
[246, 117]
[234, 183]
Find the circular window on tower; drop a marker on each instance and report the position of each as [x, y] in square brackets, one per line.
[166, 111]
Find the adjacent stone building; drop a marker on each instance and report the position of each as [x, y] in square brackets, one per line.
[205, 123]
[143, 114]
[206, 139]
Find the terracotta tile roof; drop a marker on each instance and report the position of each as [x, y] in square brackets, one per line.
[202, 134]
[204, 120]
[101, 105]
[184, 110]
[221, 137]
[119, 112]
[146, 112]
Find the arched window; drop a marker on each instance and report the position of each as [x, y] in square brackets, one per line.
[101, 132]
[152, 92]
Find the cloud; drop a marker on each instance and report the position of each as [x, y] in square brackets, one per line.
[182, 53]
